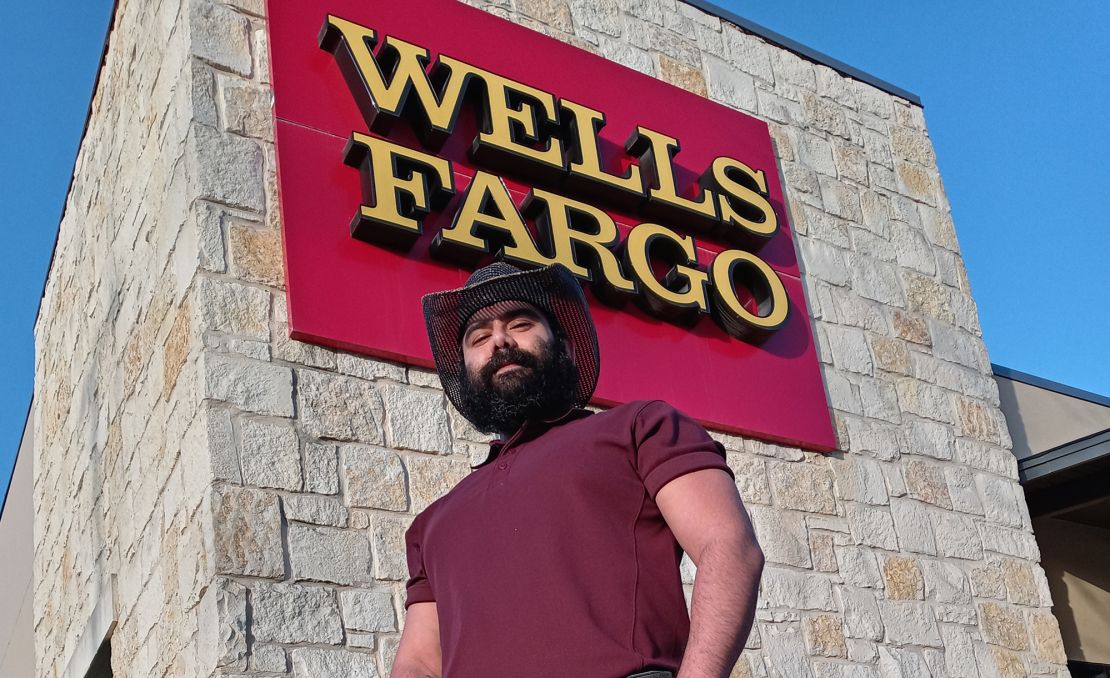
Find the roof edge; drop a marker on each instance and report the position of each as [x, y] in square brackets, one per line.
[1049, 385]
[804, 51]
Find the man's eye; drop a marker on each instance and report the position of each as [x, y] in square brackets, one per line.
[478, 339]
[520, 325]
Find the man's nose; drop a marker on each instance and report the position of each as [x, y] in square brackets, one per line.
[502, 338]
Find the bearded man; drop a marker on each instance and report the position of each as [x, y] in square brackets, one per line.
[559, 554]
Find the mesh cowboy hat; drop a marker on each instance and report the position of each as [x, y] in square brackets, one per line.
[552, 289]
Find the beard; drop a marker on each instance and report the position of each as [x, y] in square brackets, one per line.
[544, 386]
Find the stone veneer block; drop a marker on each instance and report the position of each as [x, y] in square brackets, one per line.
[290, 613]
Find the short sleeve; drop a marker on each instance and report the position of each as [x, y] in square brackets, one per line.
[417, 589]
[669, 444]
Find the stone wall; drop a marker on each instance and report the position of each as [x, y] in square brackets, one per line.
[250, 492]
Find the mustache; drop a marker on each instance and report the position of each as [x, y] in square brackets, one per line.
[506, 356]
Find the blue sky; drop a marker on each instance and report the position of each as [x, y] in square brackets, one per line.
[1015, 96]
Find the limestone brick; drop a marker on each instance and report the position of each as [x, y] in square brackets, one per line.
[871, 526]
[751, 478]
[946, 583]
[315, 510]
[270, 455]
[849, 349]
[256, 254]
[926, 482]
[374, 478]
[1021, 587]
[1003, 625]
[387, 544]
[369, 368]
[1045, 632]
[786, 652]
[681, 75]
[247, 533]
[321, 468]
[902, 579]
[228, 168]
[251, 385]
[795, 590]
[233, 308]
[553, 13]
[957, 537]
[861, 613]
[291, 613]
[1001, 501]
[860, 479]
[328, 555]
[729, 86]
[311, 662]
[782, 536]
[269, 658]
[825, 636]
[416, 420]
[368, 610]
[806, 487]
[909, 622]
[602, 17]
[338, 407]
[221, 37]
[859, 567]
[915, 529]
[1002, 663]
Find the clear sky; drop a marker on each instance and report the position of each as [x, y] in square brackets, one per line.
[1016, 96]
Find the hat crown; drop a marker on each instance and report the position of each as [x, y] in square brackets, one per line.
[497, 269]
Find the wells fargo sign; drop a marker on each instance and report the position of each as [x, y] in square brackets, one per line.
[453, 136]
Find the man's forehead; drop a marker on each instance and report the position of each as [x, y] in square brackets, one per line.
[502, 309]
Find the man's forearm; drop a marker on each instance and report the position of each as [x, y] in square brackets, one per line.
[723, 607]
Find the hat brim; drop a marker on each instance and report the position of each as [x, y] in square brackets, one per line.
[552, 289]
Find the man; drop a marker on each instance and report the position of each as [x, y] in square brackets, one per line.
[559, 555]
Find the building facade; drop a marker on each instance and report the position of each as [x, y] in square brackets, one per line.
[213, 497]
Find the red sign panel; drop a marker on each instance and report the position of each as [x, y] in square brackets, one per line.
[380, 204]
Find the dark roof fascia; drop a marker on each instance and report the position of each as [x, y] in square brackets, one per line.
[1048, 385]
[805, 52]
[1068, 455]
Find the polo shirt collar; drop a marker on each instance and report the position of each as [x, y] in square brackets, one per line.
[530, 430]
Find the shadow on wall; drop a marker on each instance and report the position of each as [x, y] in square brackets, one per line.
[1076, 560]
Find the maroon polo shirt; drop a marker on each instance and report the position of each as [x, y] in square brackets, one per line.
[552, 558]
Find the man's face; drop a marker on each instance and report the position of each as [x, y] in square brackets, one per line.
[517, 368]
[498, 333]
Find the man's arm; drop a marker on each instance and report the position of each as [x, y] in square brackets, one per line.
[705, 513]
[419, 654]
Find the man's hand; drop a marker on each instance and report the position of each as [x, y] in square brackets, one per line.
[705, 513]
[419, 654]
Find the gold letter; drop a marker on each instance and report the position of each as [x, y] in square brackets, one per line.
[518, 127]
[742, 200]
[584, 158]
[401, 185]
[768, 296]
[409, 85]
[681, 294]
[577, 231]
[656, 152]
[487, 206]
